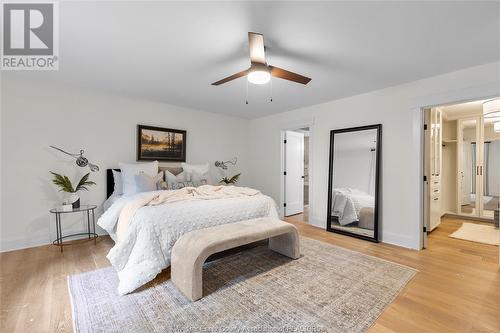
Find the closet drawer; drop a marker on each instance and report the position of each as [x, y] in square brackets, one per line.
[435, 185]
[435, 188]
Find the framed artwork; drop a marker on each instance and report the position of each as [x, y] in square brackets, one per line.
[160, 144]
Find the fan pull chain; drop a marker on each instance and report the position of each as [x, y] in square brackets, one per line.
[246, 98]
[271, 81]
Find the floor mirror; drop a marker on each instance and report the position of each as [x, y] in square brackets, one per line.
[353, 186]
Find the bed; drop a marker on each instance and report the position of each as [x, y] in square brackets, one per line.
[143, 247]
[353, 207]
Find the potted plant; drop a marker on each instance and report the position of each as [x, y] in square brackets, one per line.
[65, 185]
[230, 181]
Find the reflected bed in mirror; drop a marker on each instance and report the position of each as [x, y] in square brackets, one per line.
[353, 181]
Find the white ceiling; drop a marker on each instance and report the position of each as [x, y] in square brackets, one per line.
[172, 51]
[464, 110]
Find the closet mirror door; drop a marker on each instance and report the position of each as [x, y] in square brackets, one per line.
[468, 157]
[490, 172]
[353, 182]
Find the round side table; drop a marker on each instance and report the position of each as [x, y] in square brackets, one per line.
[89, 209]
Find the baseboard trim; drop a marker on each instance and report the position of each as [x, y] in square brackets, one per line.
[26, 243]
[470, 218]
[319, 223]
[386, 237]
[399, 240]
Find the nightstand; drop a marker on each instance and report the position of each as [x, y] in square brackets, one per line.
[89, 209]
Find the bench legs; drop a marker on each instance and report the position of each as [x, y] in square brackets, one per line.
[286, 244]
[187, 276]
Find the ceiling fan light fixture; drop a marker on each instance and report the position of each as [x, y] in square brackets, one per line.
[260, 72]
[491, 108]
[259, 76]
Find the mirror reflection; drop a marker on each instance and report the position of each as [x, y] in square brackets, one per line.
[354, 182]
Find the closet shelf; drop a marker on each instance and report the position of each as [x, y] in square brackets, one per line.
[449, 140]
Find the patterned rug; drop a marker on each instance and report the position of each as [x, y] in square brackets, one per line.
[328, 289]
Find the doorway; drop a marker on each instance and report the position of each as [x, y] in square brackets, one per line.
[296, 173]
[461, 178]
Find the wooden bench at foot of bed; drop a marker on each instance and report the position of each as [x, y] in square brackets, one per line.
[192, 249]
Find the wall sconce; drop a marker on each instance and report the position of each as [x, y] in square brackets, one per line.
[80, 160]
[223, 164]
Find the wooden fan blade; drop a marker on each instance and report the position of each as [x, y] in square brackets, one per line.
[230, 78]
[287, 75]
[256, 46]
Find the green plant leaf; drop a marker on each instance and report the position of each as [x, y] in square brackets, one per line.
[62, 182]
[234, 178]
[84, 183]
[224, 180]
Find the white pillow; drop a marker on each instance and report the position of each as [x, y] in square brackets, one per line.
[146, 183]
[197, 177]
[130, 170]
[200, 169]
[117, 178]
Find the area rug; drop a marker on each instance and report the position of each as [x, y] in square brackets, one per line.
[328, 289]
[479, 233]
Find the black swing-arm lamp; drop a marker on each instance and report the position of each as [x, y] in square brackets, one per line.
[223, 164]
[80, 160]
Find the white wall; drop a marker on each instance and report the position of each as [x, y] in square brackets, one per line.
[395, 109]
[449, 178]
[38, 114]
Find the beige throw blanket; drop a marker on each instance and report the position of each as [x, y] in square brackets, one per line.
[204, 192]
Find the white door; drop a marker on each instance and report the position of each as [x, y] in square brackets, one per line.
[432, 170]
[294, 173]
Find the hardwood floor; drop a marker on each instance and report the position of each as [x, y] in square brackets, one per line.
[456, 290]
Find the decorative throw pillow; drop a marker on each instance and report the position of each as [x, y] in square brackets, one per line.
[130, 170]
[179, 185]
[146, 183]
[171, 178]
[117, 178]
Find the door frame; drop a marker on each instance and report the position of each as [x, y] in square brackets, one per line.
[292, 127]
[419, 104]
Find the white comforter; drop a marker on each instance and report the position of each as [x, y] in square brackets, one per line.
[347, 203]
[145, 249]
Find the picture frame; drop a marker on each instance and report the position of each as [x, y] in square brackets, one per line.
[160, 144]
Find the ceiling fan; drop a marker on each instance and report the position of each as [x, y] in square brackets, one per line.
[260, 72]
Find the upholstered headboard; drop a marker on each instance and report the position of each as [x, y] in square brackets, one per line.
[110, 182]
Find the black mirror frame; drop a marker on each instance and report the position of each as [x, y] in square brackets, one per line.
[375, 237]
